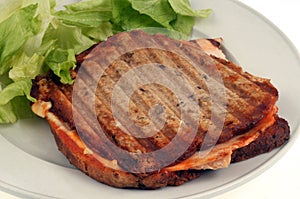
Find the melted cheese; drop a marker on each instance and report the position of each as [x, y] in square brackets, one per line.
[218, 157]
[211, 49]
[60, 127]
[42, 108]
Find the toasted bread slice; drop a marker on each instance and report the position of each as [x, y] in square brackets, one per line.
[108, 172]
[250, 120]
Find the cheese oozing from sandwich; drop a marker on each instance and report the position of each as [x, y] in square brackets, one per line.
[219, 156]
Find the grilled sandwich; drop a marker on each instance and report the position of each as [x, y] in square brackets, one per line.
[106, 126]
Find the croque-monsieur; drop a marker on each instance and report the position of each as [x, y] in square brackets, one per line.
[251, 124]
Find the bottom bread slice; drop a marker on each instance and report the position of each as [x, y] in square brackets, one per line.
[274, 137]
[71, 146]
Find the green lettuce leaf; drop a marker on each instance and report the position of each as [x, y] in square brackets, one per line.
[65, 36]
[34, 38]
[159, 10]
[183, 24]
[18, 88]
[100, 33]
[92, 17]
[17, 108]
[90, 5]
[44, 15]
[84, 18]
[185, 20]
[183, 7]
[8, 7]
[7, 113]
[14, 33]
[18, 61]
[60, 61]
[26, 67]
[171, 14]
[128, 18]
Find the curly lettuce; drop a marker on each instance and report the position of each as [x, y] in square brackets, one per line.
[36, 37]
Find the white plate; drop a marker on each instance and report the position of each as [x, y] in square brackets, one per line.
[31, 166]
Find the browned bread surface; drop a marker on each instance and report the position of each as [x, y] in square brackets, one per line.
[249, 100]
[275, 136]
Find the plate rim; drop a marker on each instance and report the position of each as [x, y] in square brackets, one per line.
[19, 192]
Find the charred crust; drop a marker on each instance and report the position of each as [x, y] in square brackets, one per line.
[214, 43]
[274, 137]
[49, 88]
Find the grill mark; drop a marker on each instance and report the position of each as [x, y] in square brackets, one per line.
[175, 150]
[194, 57]
[265, 100]
[125, 160]
[232, 125]
[246, 122]
[125, 40]
[143, 62]
[140, 140]
[145, 54]
[158, 56]
[164, 38]
[204, 122]
[106, 119]
[117, 42]
[59, 97]
[142, 58]
[246, 77]
[158, 91]
[113, 79]
[227, 133]
[93, 69]
[246, 88]
[143, 104]
[205, 114]
[261, 82]
[161, 136]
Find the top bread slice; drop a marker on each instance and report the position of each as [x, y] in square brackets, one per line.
[250, 101]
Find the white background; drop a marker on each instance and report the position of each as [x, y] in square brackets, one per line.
[281, 180]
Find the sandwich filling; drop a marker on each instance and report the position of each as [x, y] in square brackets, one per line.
[219, 156]
[250, 127]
